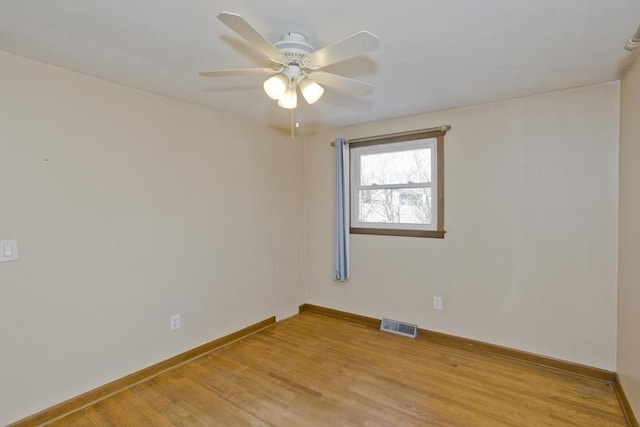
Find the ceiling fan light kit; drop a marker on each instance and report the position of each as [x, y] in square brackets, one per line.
[275, 86]
[296, 64]
[282, 87]
[311, 90]
[290, 98]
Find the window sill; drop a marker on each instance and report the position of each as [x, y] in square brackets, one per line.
[404, 233]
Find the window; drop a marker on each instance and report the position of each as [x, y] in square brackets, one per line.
[397, 184]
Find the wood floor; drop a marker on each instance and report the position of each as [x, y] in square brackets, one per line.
[313, 370]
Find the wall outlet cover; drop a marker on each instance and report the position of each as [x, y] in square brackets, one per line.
[174, 322]
[8, 250]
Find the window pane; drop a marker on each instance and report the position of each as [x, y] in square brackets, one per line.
[400, 167]
[398, 206]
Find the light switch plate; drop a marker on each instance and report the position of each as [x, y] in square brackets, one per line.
[8, 250]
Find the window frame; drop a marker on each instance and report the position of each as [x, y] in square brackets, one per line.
[407, 230]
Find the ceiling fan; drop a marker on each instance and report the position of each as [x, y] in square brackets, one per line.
[296, 64]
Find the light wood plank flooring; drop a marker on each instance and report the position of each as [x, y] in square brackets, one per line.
[314, 370]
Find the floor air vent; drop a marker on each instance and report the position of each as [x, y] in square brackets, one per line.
[400, 328]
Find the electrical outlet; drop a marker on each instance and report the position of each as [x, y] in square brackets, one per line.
[8, 250]
[437, 303]
[174, 322]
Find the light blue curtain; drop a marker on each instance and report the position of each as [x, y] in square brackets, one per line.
[341, 237]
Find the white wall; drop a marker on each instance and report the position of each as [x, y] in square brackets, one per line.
[628, 367]
[129, 207]
[530, 256]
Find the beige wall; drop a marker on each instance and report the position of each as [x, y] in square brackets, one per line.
[629, 239]
[129, 207]
[530, 256]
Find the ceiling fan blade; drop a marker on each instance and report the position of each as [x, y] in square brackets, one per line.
[238, 72]
[250, 34]
[354, 45]
[344, 84]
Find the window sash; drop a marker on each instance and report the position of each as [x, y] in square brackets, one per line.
[358, 152]
[394, 186]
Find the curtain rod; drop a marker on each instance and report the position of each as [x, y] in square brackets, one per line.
[443, 128]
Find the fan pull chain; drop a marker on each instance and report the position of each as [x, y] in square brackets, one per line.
[292, 127]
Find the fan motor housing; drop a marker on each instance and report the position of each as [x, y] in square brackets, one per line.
[294, 46]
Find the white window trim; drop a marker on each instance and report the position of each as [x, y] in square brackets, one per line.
[357, 152]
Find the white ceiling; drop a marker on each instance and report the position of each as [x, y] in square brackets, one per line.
[434, 54]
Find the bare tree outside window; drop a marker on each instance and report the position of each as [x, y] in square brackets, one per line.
[400, 204]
